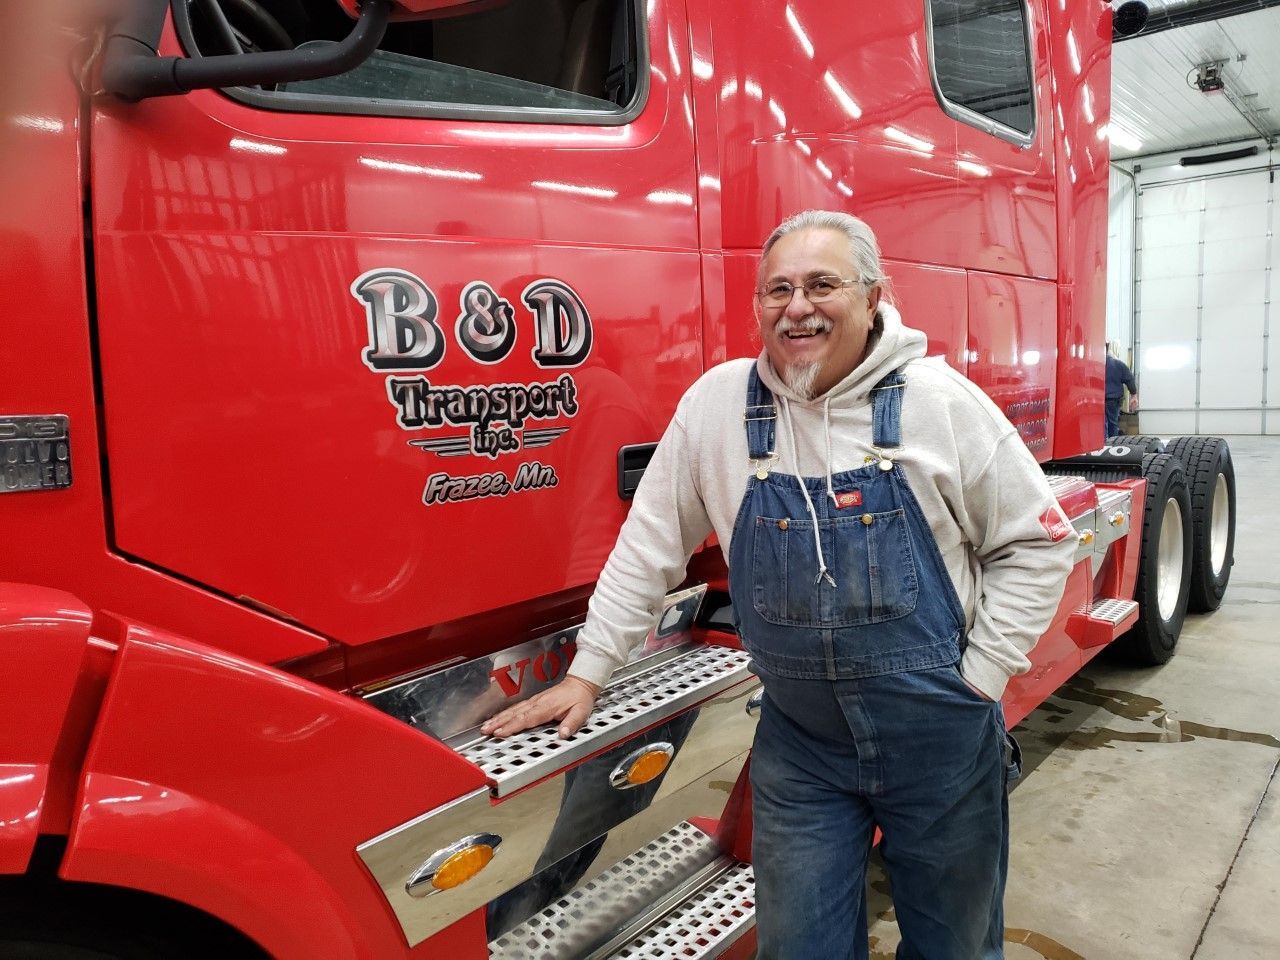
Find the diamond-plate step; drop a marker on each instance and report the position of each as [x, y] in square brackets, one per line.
[623, 708]
[1105, 621]
[1113, 611]
[620, 902]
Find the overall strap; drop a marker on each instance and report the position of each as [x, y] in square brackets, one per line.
[761, 417]
[886, 398]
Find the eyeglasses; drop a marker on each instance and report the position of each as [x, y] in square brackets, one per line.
[816, 290]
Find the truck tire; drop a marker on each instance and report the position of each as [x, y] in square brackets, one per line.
[1143, 442]
[1164, 566]
[1212, 478]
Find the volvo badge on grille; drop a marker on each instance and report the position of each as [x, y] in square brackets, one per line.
[35, 453]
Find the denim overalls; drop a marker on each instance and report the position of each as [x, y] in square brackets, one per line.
[866, 721]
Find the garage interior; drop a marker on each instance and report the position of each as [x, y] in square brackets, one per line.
[1147, 822]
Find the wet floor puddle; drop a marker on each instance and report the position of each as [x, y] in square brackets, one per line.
[880, 906]
[1126, 705]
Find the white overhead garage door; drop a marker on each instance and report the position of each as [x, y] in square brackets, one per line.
[1206, 360]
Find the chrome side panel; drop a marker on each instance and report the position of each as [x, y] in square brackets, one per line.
[1097, 529]
[449, 702]
[563, 813]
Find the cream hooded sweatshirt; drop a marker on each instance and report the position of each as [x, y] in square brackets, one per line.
[979, 487]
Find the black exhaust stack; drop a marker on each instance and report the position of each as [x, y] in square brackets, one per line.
[132, 70]
[1129, 18]
[1171, 14]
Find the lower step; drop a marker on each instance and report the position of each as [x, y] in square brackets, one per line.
[677, 897]
[706, 925]
[1113, 611]
[1105, 621]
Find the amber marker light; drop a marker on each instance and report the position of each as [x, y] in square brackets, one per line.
[642, 765]
[453, 865]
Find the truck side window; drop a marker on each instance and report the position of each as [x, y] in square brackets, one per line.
[527, 60]
[981, 61]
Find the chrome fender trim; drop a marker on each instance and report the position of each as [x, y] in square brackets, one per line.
[527, 791]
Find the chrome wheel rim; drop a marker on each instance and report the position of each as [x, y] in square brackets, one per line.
[1219, 526]
[1169, 560]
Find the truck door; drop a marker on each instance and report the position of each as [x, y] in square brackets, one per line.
[370, 346]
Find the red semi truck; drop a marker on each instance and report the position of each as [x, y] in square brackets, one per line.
[335, 342]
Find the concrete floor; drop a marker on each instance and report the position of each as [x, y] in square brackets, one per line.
[1147, 825]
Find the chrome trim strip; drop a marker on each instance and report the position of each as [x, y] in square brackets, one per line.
[720, 736]
[451, 701]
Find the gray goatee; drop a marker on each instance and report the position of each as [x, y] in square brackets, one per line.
[801, 377]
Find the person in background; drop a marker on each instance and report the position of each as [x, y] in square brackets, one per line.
[1119, 376]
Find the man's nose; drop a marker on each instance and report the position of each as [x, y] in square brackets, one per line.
[799, 307]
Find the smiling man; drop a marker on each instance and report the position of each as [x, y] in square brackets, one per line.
[894, 552]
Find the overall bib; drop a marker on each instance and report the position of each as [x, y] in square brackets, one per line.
[857, 634]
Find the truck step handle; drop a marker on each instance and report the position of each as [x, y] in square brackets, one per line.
[632, 462]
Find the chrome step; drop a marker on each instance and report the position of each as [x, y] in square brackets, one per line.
[1112, 611]
[624, 707]
[678, 896]
[705, 925]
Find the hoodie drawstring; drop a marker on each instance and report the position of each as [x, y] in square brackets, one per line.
[826, 426]
[795, 466]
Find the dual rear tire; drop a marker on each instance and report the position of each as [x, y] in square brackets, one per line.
[1188, 540]
[1164, 566]
[1212, 480]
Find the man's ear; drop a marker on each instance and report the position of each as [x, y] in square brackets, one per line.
[873, 299]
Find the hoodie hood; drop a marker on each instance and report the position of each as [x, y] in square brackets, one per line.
[890, 346]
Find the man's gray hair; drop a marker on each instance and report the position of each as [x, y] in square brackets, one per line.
[862, 241]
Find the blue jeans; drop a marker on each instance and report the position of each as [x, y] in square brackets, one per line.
[918, 754]
[1112, 418]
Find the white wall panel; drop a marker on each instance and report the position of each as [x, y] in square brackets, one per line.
[1168, 229]
[1241, 221]
[1168, 424]
[1206, 269]
[1230, 362]
[1167, 376]
[1168, 293]
[1229, 256]
[1158, 263]
[1226, 290]
[1172, 198]
[1227, 422]
[1168, 322]
[1241, 190]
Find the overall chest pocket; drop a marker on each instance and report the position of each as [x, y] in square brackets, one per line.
[871, 562]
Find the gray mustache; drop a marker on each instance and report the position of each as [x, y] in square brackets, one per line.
[808, 325]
